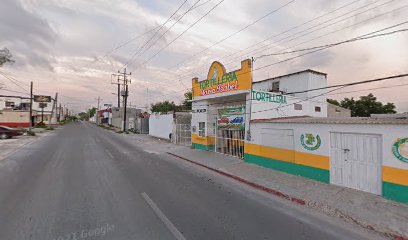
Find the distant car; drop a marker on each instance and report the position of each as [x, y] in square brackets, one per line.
[7, 132]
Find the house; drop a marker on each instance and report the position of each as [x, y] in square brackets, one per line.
[279, 123]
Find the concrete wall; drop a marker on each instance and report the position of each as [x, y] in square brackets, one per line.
[132, 114]
[270, 147]
[296, 82]
[267, 105]
[161, 126]
[336, 111]
[14, 118]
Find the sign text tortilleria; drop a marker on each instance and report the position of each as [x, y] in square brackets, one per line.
[220, 81]
[225, 83]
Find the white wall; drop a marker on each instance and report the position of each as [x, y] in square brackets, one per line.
[388, 133]
[296, 82]
[161, 125]
[266, 110]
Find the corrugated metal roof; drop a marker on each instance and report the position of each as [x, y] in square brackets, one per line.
[322, 120]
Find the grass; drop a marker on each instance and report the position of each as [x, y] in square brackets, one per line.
[30, 133]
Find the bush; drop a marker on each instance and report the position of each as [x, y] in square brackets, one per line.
[50, 128]
[30, 133]
[41, 125]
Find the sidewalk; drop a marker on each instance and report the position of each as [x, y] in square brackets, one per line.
[388, 218]
[9, 146]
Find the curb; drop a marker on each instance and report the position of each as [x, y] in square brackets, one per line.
[284, 196]
[32, 140]
[249, 183]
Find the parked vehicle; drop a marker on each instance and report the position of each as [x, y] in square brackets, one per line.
[7, 132]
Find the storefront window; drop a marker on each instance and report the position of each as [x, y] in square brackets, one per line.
[201, 129]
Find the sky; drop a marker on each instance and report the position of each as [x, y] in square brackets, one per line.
[73, 47]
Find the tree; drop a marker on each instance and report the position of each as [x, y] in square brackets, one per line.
[92, 112]
[5, 56]
[165, 106]
[186, 105]
[333, 101]
[365, 106]
[83, 116]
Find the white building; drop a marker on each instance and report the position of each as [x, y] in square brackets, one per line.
[22, 104]
[279, 123]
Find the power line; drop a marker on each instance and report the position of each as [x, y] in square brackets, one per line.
[352, 84]
[235, 33]
[340, 86]
[338, 43]
[192, 25]
[154, 35]
[169, 28]
[321, 27]
[332, 45]
[341, 7]
[13, 81]
[329, 33]
[370, 89]
[288, 30]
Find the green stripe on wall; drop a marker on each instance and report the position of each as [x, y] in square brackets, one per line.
[395, 192]
[203, 147]
[291, 168]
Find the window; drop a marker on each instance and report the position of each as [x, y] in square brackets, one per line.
[275, 87]
[318, 109]
[201, 129]
[298, 106]
[9, 104]
[25, 106]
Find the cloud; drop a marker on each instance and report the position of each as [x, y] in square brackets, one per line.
[70, 38]
[26, 34]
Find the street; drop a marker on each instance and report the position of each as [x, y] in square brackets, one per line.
[84, 182]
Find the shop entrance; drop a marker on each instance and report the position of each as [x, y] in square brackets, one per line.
[230, 131]
[230, 142]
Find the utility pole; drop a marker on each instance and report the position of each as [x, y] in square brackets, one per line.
[117, 83]
[97, 110]
[59, 113]
[54, 106]
[31, 105]
[125, 95]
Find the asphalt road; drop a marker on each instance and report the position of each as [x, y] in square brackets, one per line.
[84, 182]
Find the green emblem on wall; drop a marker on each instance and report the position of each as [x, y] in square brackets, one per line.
[310, 142]
[400, 149]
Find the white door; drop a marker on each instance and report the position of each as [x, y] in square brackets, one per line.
[355, 161]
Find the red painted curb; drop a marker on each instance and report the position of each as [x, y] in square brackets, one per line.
[263, 188]
[252, 184]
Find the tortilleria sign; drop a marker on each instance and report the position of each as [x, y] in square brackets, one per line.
[219, 81]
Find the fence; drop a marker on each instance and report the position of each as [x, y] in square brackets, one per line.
[182, 134]
[230, 142]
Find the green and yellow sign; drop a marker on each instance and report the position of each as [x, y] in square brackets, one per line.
[310, 142]
[400, 149]
[231, 118]
[219, 81]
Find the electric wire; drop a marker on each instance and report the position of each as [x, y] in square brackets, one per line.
[152, 37]
[295, 37]
[181, 34]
